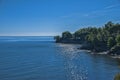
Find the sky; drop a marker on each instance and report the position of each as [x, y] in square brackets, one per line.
[52, 17]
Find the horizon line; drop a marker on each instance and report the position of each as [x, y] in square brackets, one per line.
[24, 36]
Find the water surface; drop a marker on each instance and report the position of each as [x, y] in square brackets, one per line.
[40, 58]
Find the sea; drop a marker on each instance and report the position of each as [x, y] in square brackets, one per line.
[40, 58]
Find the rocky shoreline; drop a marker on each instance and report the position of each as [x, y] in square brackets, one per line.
[114, 52]
[86, 48]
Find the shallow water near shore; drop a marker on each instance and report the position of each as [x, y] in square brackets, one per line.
[40, 58]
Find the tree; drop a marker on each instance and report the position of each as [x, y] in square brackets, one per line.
[110, 42]
[66, 35]
[92, 39]
[118, 39]
[57, 38]
[109, 25]
[100, 39]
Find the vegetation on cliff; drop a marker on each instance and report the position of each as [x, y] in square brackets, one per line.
[97, 39]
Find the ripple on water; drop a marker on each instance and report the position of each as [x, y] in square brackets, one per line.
[74, 66]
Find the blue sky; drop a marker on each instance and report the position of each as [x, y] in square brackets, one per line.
[51, 17]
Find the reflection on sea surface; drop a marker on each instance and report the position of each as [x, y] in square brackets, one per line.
[35, 59]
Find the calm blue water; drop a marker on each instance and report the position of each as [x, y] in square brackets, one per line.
[40, 58]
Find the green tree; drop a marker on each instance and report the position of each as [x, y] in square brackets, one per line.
[91, 38]
[110, 42]
[66, 35]
[57, 38]
[118, 39]
[109, 25]
[99, 37]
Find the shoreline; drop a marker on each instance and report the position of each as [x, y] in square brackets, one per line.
[93, 52]
[102, 53]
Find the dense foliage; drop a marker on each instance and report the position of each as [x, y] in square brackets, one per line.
[99, 39]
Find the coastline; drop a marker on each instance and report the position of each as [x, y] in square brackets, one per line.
[102, 53]
[116, 57]
[93, 52]
[102, 40]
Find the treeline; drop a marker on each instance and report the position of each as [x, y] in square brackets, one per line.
[106, 38]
